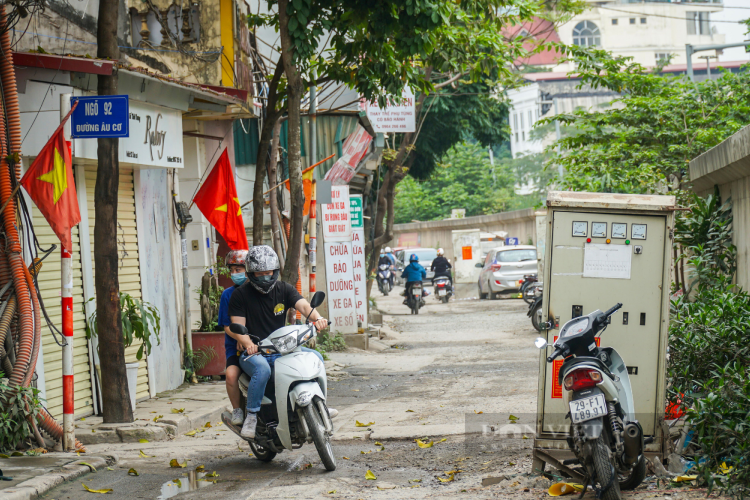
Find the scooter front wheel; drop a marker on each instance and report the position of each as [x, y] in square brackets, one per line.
[320, 438]
[261, 453]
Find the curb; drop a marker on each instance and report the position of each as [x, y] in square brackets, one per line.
[163, 429]
[37, 486]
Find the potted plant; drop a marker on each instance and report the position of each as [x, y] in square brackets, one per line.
[140, 321]
[208, 338]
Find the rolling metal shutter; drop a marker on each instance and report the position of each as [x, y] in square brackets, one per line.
[127, 248]
[49, 285]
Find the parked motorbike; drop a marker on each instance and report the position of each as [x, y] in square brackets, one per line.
[443, 288]
[604, 436]
[535, 308]
[384, 279]
[293, 411]
[414, 297]
[526, 288]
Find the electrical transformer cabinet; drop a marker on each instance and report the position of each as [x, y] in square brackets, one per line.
[602, 249]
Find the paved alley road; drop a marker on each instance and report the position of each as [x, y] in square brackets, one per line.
[437, 369]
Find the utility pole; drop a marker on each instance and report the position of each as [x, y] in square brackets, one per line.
[692, 49]
[492, 165]
[708, 64]
[115, 394]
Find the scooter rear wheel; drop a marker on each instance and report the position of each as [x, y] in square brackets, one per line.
[636, 476]
[605, 470]
[320, 438]
[261, 453]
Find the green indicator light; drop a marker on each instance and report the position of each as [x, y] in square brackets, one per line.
[627, 242]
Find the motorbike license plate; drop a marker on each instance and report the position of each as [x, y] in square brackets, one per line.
[441, 292]
[585, 409]
[416, 292]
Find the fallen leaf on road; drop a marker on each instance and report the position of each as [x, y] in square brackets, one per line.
[513, 418]
[174, 463]
[219, 423]
[83, 419]
[143, 441]
[409, 411]
[443, 440]
[355, 390]
[178, 410]
[478, 412]
[178, 482]
[451, 472]
[200, 468]
[3, 455]
[360, 424]
[345, 458]
[526, 437]
[133, 472]
[214, 473]
[377, 443]
[386, 487]
[680, 479]
[447, 480]
[143, 455]
[415, 480]
[332, 492]
[511, 463]
[485, 463]
[208, 425]
[191, 433]
[366, 452]
[423, 444]
[370, 475]
[106, 490]
[158, 417]
[93, 469]
[382, 448]
[152, 412]
[416, 486]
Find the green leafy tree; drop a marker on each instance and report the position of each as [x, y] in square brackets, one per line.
[644, 142]
[464, 178]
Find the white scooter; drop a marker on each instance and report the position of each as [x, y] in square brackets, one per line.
[293, 410]
[605, 437]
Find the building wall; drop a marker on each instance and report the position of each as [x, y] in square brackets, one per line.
[664, 31]
[434, 234]
[158, 283]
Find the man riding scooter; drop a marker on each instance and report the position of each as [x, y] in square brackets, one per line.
[261, 305]
[413, 273]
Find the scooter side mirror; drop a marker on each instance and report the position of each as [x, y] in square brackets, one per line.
[239, 329]
[540, 343]
[317, 299]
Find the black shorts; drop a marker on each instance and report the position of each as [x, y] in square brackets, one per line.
[233, 360]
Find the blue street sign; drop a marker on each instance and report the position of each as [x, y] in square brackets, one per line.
[511, 241]
[100, 116]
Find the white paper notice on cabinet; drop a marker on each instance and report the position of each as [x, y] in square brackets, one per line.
[607, 261]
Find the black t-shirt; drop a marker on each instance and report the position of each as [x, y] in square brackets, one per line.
[384, 260]
[263, 313]
[440, 265]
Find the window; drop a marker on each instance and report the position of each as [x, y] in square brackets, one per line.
[586, 34]
[614, 21]
[515, 121]
[643, 20]
[522, 125]
[661, 56]
[516, 136]
[523, 135]
[515, 255]
[632, 20]
[697, 23]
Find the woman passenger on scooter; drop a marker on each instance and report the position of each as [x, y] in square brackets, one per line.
[260, 305]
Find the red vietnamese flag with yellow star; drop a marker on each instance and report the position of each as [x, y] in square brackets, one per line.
[218, 200]
[49, 182]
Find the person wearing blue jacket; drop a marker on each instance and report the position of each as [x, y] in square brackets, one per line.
[412, 273]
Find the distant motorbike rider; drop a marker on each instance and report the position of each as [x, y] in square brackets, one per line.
[413, 273]
[441, 266]
[384, 260]
[233, 344]
[392, 258]
[261, 304]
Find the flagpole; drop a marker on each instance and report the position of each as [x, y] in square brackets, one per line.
[66, 275]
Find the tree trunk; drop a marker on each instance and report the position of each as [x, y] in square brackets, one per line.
[272, 116]
[114, 383]
[295, 89]
[273, 195]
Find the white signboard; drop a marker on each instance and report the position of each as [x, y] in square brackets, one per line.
[397, 116]
[607, 261]
[358, 263]
[340, 282]
[336, 223]
[155, 138]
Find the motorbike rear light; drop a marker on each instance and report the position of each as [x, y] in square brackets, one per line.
[582, 379]
[441, 285]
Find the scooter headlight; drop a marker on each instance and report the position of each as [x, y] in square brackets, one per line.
[285, 344]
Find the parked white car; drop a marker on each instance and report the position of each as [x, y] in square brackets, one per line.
[502, 269]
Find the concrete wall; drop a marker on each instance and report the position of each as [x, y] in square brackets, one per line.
[157, 273]
[728, 166]
[434, 234]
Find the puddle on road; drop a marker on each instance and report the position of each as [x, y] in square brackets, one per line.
[191, 481]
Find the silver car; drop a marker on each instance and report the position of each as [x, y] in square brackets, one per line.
[426, 256]
[502, 269]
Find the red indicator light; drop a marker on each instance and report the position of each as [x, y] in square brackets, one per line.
[588, 240]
